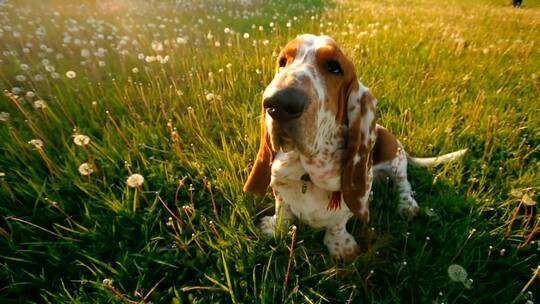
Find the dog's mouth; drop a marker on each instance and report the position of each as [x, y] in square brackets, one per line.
[282, 141]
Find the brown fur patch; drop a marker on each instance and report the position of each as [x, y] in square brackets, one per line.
[356, 179]
[259, 177]
[386, 146]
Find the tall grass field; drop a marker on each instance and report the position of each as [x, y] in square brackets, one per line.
[128, 127]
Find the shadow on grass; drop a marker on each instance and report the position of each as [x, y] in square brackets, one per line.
[406, 261]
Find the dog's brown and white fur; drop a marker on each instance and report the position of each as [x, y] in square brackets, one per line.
[329, 152]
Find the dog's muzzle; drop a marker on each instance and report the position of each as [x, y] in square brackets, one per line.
[285, 104]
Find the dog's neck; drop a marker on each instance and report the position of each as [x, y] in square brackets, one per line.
[325, 165]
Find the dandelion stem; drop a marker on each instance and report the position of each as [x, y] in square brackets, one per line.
[291, 256]
[531, 280]
[41, 228]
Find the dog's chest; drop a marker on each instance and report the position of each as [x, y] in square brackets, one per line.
[307, 202]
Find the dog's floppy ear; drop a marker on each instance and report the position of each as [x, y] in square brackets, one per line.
[259, 177]
[356, 173]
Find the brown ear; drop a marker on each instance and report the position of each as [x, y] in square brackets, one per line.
[259, 177]
[357, 176]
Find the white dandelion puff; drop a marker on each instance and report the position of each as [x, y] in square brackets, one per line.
[81, 140]
[40, 104]
[135, 180]
[71, 74]
[457, 273]
[38, 143]
[85, 169]
[4, 116]
[157, 46]
[85, 53]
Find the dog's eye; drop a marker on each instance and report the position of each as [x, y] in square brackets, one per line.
[333, 67]
[282, 62]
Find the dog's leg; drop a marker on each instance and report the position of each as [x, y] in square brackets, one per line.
[407, 204]
[341, 243]
[269, 225]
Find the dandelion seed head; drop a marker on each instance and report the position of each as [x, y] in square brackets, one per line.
[135, 180]
[16, 90]
[107, 282]
[81, 140]
[85, 53]
[71, 74]
[457, 273]
[38, 143]
[85, 169]
[40, 104]
[4, 116]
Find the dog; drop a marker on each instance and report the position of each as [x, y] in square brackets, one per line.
[321, 147]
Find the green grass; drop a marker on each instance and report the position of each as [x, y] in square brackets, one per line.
[447, 74]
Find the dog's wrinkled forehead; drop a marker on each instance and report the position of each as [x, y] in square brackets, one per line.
[304, 48]
[298, 63]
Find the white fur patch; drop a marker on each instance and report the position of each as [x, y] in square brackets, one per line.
[365, 124]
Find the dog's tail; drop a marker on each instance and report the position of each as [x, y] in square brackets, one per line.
[434, 161]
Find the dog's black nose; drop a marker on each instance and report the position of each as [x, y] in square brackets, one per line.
[285, 104]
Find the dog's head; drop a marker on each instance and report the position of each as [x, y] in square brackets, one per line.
[316, 106]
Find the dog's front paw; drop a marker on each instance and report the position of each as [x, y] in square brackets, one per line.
[408, 207]
[342, 247]
[268, 225]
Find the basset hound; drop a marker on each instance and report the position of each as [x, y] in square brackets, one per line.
[320, 145]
